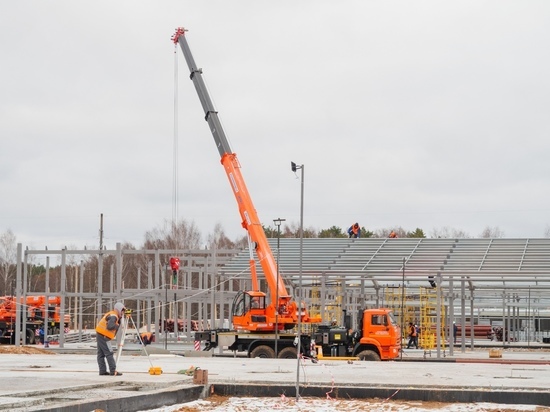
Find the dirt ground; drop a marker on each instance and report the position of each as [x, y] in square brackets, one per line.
[24, 350]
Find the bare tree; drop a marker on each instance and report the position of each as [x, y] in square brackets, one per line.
[241, 242]
[293, 230]
[447, 232]
[8, 256]
[180, 235]
[218, 239]
[491, 233]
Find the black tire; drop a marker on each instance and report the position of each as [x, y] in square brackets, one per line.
[289, 352]
[29, 340]
[369, 355]
[262, 351]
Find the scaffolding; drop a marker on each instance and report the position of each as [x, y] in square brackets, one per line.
[393, 298]
[427, 339]
[315, 306]
[404, 306]
[333, 306]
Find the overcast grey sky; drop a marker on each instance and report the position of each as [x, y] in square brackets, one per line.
[405, 113]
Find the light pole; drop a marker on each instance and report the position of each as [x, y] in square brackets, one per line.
[402, 308]
[294, 167]
[277, 222]
[166, 308]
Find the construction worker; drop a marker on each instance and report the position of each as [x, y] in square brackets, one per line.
[354, 230]
[393, 235]
[106, 330]
[413, 336]
[147, 338]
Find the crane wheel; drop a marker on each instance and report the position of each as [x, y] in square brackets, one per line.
[262, 351]
[288, 353]
[368, 355]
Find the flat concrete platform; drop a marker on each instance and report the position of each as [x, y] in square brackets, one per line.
[64, 381]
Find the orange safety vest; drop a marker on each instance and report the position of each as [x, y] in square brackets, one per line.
[101, 327]
[355, 229]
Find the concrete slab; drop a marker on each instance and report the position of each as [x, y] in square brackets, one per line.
[197, 354]
[63, 381]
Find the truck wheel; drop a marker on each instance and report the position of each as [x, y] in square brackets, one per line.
[262, 351]
[288, 353]
[30, 337]
[368, 355]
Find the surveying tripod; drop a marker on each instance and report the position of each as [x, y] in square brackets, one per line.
[124, 322]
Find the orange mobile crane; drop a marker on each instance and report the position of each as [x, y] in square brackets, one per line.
[256, 323]
[251, 312]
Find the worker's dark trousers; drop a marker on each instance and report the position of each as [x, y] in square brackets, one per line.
[104, 352]
[413, 340]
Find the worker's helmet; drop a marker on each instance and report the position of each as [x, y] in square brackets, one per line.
[356, 225]
[119, 307]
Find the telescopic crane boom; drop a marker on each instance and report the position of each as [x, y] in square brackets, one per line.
[250, 311]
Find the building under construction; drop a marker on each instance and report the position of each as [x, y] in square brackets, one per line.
[491, 288]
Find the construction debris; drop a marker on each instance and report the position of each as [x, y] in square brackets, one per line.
[189, 372]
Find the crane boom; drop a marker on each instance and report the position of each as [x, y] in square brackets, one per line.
[284, 314]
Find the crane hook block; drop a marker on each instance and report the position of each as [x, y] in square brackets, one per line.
[175, 263]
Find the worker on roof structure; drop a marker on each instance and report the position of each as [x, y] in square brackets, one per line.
[354, 230]
[393, 235]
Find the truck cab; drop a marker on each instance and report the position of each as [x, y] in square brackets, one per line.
[379, 334]
[378, 337]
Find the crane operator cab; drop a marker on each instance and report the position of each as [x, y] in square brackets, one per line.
[249, 311]
[244, 302]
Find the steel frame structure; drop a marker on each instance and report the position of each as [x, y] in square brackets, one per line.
[473, 276]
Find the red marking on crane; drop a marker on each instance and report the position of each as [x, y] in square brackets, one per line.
[180, 31]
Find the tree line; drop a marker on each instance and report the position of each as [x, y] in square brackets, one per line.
[186, 235]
